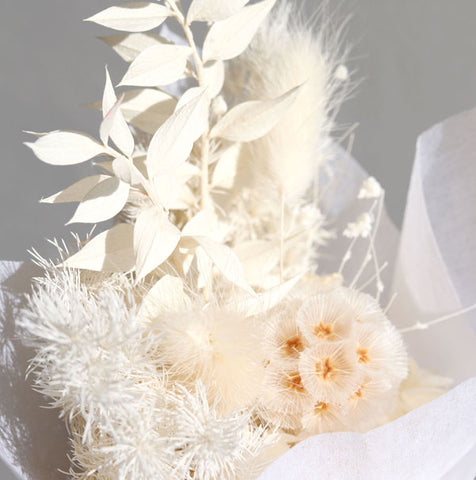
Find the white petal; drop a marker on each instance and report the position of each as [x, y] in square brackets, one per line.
[132, 16]
[129, 46]
[213, 10]
[75, 192]
[110, 251]
[155, 238]
[158, 65]
[66, 148]
[103, 202]
[230, 37]
[251, 120]
[172, 143]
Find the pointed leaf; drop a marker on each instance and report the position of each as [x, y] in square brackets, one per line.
[103, 202]
[214, 76]
[155, 238]
[132, 16]
[110, 251]
[226, 166]
[230, 37]
[265, 301]
[172, 143]
[251, 120]
[258, 258]
[75, 192]
[226, 261]
[147, 108]
[114, 124]
[158, 65]
[66, 148]
[213, 10]
[122, 169]
[129, 46]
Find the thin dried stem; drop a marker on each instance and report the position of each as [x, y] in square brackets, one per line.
[436, 321]
[205, 139]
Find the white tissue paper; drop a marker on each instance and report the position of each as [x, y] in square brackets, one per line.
[433, 273]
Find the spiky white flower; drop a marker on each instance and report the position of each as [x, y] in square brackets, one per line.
[329, 371]
[212, 446]
[326, 318]
[219, 347]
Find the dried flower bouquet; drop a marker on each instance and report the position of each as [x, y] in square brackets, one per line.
[198, 337]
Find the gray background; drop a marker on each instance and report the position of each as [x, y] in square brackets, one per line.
[416, 60]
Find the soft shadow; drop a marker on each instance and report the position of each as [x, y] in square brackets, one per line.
[34, 437]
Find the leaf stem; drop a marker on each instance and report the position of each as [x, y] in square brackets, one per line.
[199, 71]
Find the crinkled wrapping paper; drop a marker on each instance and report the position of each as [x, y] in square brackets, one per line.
[433, 270]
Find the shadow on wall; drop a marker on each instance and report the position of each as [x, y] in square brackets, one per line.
[33, 436]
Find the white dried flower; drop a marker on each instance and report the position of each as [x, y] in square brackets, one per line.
[370, 189]
[324, 319]
[329, 371]
[324, 417]
[362, 227]
[219, 347]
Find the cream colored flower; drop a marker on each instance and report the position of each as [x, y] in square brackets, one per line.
[324, 417]
[326, 318]
[380, 351]
[284, 341]
[221, 348]
[329, 371]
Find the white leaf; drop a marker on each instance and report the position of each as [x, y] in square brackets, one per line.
[226, 167]
[75, 192]
[251, 120]
[267, 300]
[158, 65]
[102, 202]
[201, 224]
[172, 143]
[226, 260]
[214, 77]
[166, 296]
[228, 38]
[172, 192]
[155, 238]
[132, 16]
[66, 148]
[122, 168]
[110, 251]
[213, 10]
[147, 108]
[114, 124]
[129, 46]
[258, 258]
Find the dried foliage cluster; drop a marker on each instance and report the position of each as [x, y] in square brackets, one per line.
[194, 338]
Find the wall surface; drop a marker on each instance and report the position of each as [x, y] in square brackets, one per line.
[416, 61]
